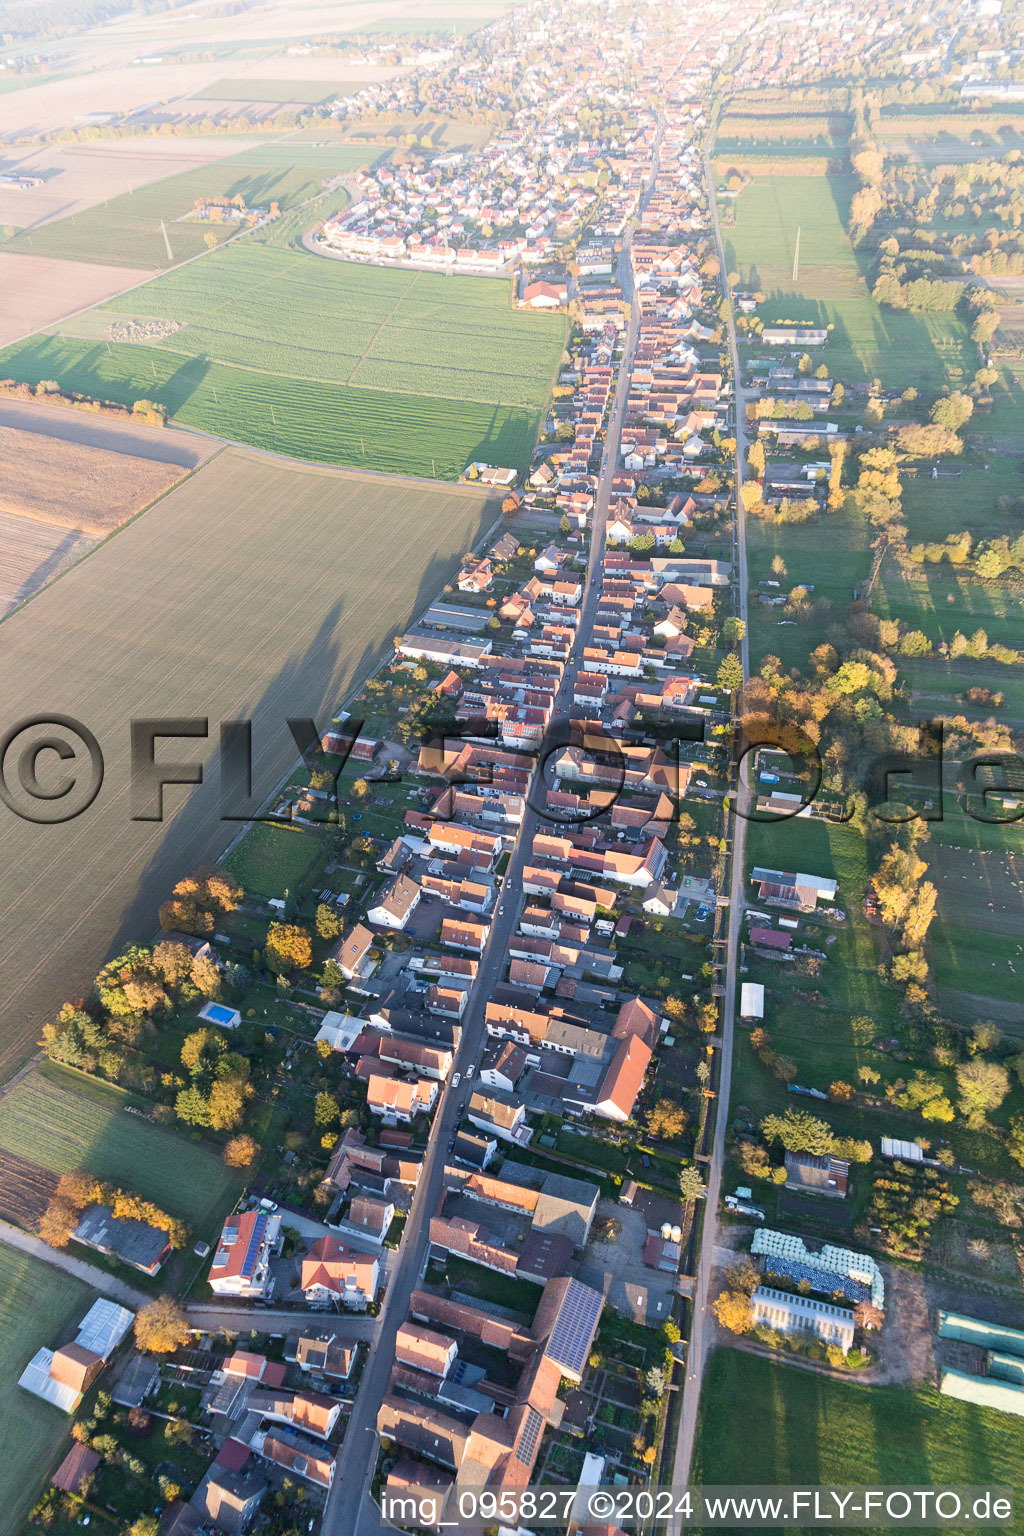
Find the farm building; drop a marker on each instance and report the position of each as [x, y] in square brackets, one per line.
[136, 1243]
[79, 1463]
[63, 1376]
[826, 1175]
[831, 1270]
[999, 1383]
[792, 1314]
[752, 1000]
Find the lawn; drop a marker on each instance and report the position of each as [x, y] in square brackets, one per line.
[126, 230]
[867, 341]
[271, 860]
[253, 590]
[36, 1303]
[812, 1430]
[61, 1120]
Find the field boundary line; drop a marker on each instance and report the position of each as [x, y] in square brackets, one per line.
[389, 316]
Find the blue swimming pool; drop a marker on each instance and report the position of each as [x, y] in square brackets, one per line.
[219, 1014]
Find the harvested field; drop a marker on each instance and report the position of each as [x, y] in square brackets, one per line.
[117, 434]
[25, 1190]
[111, 88]
[31, 554]
[78, 176]
[70, 485]
[254, 590]
[37, 291]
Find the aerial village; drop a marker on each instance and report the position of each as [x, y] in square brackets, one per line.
[549, 737]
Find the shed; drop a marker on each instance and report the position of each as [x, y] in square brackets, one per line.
[752, 1000]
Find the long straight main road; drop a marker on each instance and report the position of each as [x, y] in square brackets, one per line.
[350, 1511]
[702, 1330]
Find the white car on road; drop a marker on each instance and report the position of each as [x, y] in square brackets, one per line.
[457, 1079]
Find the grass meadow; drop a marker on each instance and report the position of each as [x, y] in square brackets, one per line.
[36, 1305]
[61, 1120]
[831, 288]
[329, 361]
[253, 590]
[813, 1430]
[271, 860]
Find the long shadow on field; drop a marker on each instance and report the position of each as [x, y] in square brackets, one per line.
[311, 684]
[46, 567]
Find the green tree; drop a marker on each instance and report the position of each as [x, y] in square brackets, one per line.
[799, 1131]
[326, 1109]
[288, 948]
[981, 1086]
[730, 673]
[192, 1106]
[691, 1185]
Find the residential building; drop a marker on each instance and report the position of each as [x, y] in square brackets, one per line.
[241, 1264]
[335, 1275]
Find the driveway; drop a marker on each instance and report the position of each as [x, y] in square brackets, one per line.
[641, 1294]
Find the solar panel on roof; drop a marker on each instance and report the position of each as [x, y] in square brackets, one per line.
[255, 1241]
[574, 1326]
[527, 1447]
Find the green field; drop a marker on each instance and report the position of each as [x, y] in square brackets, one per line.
[286, 93]
[271, 860]
[62, 1120]
[126, 231]
[323, 360]
[867, 341]
[289, 313]
[812, 1430]
[253, 590]
[326, 423]
[36, 1304]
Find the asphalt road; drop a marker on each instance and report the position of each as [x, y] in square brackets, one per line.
[350, 1511]
[349, 1328]
[701, 1339]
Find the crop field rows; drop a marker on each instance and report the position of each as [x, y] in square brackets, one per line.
[169, 612]
[290, 314]
[325, 423]
[25, 1190]
[279, 92]
[365, 366]
[59, 1122]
